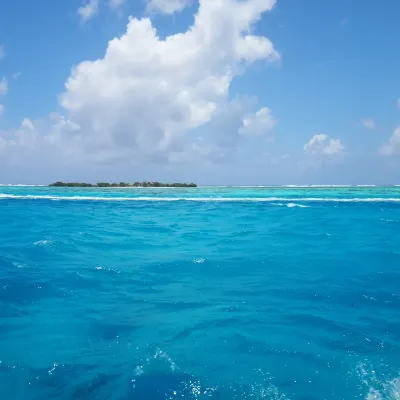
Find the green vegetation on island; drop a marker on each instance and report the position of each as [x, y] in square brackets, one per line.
[123, 184]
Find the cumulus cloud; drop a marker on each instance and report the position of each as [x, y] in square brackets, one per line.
[89, 10]
[40, 151]
[2, 109]
[392, 147]
[168, 6]
[368, 123]
[27, 124]
[137, 104]
[323, 145]
[3, 86]
[2, 52]
[218, 141]
[51, 136]
[258, 123]
[147, 92]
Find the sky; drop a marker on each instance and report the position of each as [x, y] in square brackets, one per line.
[252, 92]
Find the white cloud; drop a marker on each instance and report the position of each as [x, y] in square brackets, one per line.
[323, 145]
[27, 124]
[168, 6]
[2, 52]
[116, 3]
[89, 10]
[38, 144]
[137, 104]
[2, 109]
[368, 123]
[3, 86]
[16, 75]
[392, 147]
[219, 140]
[147, 92]
[257, 124]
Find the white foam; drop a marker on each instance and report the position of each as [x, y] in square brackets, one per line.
[334, 186]
[296, 186]
[389, 390]
[43, 243]
[292, 205]
[107, 269]
[316, 186]
[378, 388]
[205, 199]
[19, 265]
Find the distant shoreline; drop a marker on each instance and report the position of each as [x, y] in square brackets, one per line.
[226, 186]
[123, 185]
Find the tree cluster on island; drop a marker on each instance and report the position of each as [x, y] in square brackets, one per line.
[122, 184]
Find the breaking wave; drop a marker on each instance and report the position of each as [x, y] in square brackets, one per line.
[379, 388]
[206, 199]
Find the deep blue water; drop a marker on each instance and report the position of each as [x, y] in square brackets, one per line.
[239, 293]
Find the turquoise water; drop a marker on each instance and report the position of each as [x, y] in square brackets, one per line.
[207, 293]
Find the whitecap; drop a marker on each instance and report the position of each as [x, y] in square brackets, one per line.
[107, 269]
[206, 199]
[19, 265]
[43, 243]
[330, 186]
[296, 186]
[389, 390]
[378, 388]
[292, 205]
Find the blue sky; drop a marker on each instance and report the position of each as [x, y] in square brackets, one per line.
[289, 92]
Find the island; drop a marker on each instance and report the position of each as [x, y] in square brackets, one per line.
[123, 184]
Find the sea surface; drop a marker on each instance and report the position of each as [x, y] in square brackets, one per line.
[200, 293]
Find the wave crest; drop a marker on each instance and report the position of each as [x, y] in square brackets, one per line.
[290, 201]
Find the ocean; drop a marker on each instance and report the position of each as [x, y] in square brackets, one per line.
[200, 293]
